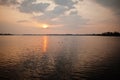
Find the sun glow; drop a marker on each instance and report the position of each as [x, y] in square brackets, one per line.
[44, 26]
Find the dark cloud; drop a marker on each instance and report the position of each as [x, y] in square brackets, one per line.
[67, 3]
[113, 4]
[8, 2]
[59, 10]
[55, 13]
[28, 6]
[72, 20]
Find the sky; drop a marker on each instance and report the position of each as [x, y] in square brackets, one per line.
[59, 16]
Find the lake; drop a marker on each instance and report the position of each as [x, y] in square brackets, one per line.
[59, 58]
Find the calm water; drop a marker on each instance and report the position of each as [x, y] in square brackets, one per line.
[59, 58]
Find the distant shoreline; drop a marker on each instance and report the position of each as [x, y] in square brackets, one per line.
[59, 35]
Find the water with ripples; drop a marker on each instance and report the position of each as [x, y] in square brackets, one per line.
[59, 58]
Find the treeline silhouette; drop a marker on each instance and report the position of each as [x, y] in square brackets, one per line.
[102, 34]
[6, 34]
[111, 34]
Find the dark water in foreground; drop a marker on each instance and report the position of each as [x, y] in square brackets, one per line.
[59, 58]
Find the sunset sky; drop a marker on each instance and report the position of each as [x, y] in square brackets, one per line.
[59, 16]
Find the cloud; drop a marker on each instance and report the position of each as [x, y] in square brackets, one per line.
[67, 21]
[32, 6]
[59, 10]
[67, 3]
[73, 21]
[28, 6]
[50, 15]
[73, 13]
[23, 21]
[113, 4]
[56, 16]
[8, 2]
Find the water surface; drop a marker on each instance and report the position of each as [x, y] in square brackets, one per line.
[59, 58]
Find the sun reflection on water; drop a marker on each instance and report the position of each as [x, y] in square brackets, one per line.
[45, 42]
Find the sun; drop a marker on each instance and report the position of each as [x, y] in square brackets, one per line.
[44, 26]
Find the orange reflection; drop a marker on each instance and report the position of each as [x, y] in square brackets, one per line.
[45, 42]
